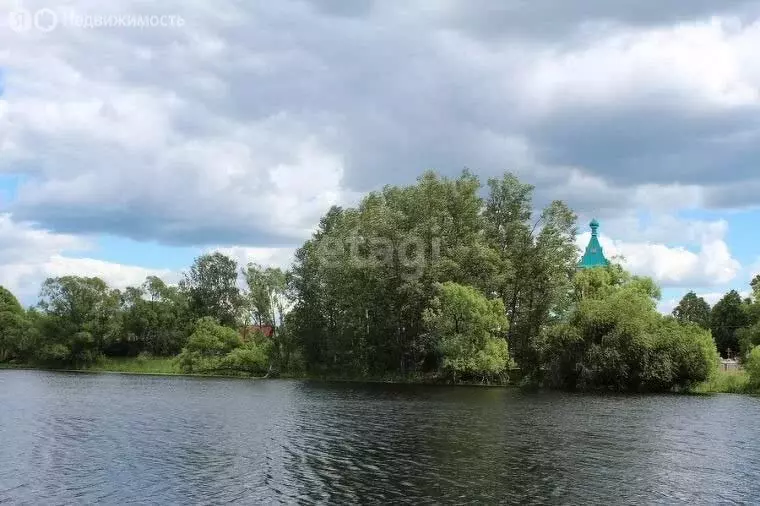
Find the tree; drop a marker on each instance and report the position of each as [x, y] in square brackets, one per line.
[727, 317]
[16, 332]
[212, 289]
[468, 329]
[81, 318]
[537, 261]
[614, 338]
[156, 319]
[752, 366]
[267, 289]
[693, 309]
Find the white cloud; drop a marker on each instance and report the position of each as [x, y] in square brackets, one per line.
[29, 255]
[276, 118]
[667, 306]
[754, 269]
[672, 265]
[268, 257]
[709, 63]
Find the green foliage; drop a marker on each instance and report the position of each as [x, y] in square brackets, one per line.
[726, 382]
[415, 281]
[9, 303]
[752, 366]
[214, 348]
[536, 262]
[693, 309]
[266, 293]
[212, 339]
[212, 290]
[469, 329]
[17, 334]
[80, 315]
[251, 357]
[361, 284]
[156, 320]
[748, 338]
[727, 318]
[615, 339]
[80, 322]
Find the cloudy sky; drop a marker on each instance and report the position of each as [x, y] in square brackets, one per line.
[126, 151]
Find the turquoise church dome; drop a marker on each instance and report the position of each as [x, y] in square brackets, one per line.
[594, 255]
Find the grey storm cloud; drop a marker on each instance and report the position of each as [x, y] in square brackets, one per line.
[246, 124]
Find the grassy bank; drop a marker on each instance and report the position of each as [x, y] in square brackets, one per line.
[136, 365]
[726, 382]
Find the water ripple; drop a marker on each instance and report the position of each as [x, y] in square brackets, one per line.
[81, 439]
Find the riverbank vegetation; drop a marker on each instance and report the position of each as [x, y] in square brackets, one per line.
[436, 281]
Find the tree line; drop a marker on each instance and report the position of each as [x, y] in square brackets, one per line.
[203, 320]
[442, 279]
[734, 320]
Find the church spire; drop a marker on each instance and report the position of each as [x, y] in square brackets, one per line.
[594, 256]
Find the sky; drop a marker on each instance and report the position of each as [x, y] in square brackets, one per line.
[126, 150]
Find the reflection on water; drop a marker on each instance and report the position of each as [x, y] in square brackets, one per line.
[71, 438]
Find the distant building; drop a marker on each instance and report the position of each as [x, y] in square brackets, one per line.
[594, 256]
[266, 330]
[729, 364]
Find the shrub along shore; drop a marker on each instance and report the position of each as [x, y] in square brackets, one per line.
[431, 282]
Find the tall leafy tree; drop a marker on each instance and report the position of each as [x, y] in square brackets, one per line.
[693, 309]
[537, 259]
[81, 318]
[361, 284]
[212, 288]
[727, 318]
[15, 328]
[155, 319]
[267, 293]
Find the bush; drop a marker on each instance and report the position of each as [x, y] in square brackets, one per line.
[467, 326]
[250, 358]
[215, 348]
[617, 340]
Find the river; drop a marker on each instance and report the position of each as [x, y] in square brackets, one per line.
[69, 438]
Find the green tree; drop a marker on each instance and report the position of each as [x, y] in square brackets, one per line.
[156, 320]
[80, 318]
[727, 318]
[361, 284]
[693, 309]
[212, 288]
[614, 338]
[468, 328]
[537, 257]
[752, 366]
[16, 331]
[267, 293]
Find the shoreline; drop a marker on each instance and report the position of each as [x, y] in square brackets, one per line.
[723, 383]
[104, 369]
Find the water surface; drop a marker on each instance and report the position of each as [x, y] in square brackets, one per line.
[117, 439]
